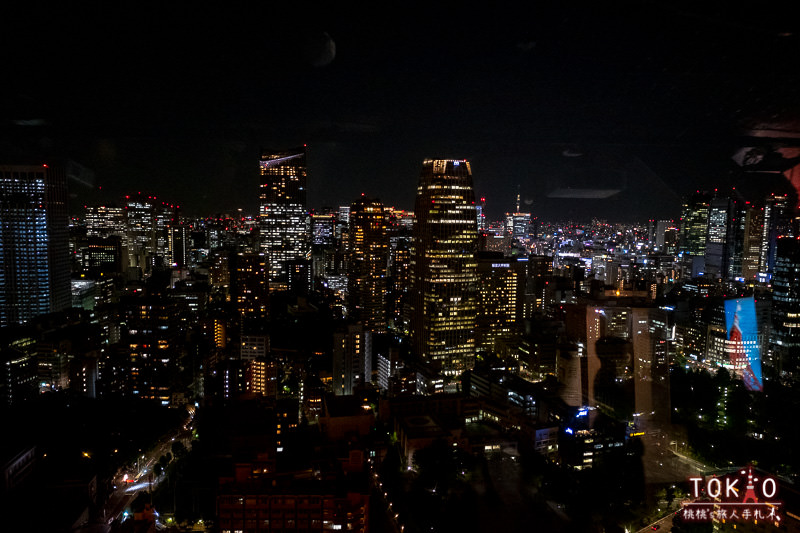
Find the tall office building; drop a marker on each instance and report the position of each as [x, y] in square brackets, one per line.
[34, 247]
[718, 242]
[518, 227]
[694, 223]
[444, 269]
[737, 236]
[105, 220]
[751, 252]
[399, 281]
[282, 212]
[178, 244]
[785, 335]
[659, 236]
[366, 264]
[501, 299]
[148, 225]
[777, 223]
[323, 229]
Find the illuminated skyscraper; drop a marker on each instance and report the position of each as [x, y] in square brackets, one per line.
[501, 298]
[34, 248]
[694, 224]
[366, 263]
[105, 220]
[323, 229]
[399, 281]
[518, 227]
[284, 235]
[777, 223]
[718, 237]
[785, 336]
[148, 225]
[444, 269]
[751, 252]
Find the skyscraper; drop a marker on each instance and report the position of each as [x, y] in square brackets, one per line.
[444, 269]
[105, 220]
[785, 339]
[777, 223]
[518, 227]
[34, 248]
[399, 281]
[282, 212]
[751, 252]
[366, 263]
[694, 223]
[720, 218]
[148, 225]
[501, 299]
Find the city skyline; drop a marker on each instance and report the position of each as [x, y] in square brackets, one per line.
[576, 342]
[385, 269]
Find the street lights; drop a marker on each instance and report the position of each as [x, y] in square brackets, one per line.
[138, 465]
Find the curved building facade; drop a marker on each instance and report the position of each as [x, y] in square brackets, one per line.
[444, 269]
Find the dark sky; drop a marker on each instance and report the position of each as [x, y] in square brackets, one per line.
[650, 99]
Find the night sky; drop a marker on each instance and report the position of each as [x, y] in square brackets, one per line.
[639, 102]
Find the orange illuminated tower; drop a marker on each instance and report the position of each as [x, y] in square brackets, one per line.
[444, 270]
[366, 263]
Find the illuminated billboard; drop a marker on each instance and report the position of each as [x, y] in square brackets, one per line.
[742, 341]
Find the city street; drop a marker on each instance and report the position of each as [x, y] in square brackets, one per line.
[145, 480]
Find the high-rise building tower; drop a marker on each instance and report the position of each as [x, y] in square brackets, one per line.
[501, 299]
[399, 281]
[751, 253]
[661, 228]
[105, 220]
[785, 337]
[518, 227]
[737, 233]
[444, 269]
[148, 224]
[34, 247]
[718, 243]
[777, 223]
[366, 264]
[282, 212]
[694, 223]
